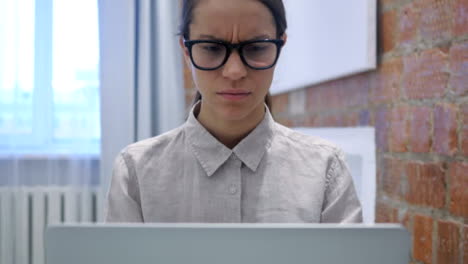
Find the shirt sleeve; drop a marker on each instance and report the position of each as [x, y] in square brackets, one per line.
[123, 198]
[341, 204]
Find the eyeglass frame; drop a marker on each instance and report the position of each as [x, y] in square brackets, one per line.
[229, 47]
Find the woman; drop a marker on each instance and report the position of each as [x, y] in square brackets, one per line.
[230, 161]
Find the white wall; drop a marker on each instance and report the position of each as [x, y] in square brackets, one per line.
[326, 40]
[359, 145]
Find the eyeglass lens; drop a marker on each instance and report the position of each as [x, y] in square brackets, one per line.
[256, 55]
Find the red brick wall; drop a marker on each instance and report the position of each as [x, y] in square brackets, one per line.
[417, 101]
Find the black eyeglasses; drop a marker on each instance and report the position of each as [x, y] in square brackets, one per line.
[209, 55]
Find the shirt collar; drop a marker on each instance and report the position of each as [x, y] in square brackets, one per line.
[211, 153]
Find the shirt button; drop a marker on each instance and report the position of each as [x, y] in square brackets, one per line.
[232, 189]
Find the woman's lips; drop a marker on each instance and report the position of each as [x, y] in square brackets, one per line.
[234, 96]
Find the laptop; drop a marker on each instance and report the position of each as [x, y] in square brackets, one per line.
[227, 244]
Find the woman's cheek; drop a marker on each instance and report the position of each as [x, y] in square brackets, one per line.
[203, 78]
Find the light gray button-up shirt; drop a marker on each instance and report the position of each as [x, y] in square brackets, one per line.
[274, 175]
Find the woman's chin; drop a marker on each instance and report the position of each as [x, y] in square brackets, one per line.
[237, 113]
[233, 114]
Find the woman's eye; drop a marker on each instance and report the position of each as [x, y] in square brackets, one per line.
[212, 48]
[256, 48]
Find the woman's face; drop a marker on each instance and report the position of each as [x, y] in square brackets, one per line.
[234, 91]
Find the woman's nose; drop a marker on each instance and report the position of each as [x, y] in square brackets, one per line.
[234, 68]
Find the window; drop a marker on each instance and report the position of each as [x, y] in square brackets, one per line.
[49, 77]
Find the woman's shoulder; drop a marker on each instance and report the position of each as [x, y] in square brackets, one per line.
[302, 141]
[170, 140]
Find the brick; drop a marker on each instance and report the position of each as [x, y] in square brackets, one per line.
[460, 10]
[388, 82]
[405, 219]
[297, 102]
[391, 175]
[465, 244]
[340, 94]
[311, 120]
[381, 129]
[448, 242]
[331, 120]
[445, 129]
[426, 184]
[464, 129]
[459, 68]
[387, 32]
[409, 23]
[458, 177]
[425, 75]
[354, 90]
[280, 103]
[399, 129]
[364, 118]
[385, 213]
[351, 118]
[329, 95]
[420, 129]
[315, 101]
[436, 20]
[422, 238]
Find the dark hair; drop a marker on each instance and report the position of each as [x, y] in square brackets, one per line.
[276, 8]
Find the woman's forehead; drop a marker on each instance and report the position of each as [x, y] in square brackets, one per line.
[226, 19]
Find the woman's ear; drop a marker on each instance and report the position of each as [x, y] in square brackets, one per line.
[284, 37]
[185, 52]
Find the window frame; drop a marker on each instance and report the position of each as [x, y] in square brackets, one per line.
[41, 139]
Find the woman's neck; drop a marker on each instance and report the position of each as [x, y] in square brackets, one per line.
[229, 132]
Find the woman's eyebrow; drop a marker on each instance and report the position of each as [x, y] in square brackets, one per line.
[211, 37]
[260, 37]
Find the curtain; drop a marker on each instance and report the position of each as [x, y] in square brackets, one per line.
[141, 74]
[75, 88]
[49, 93]
[49, 122]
